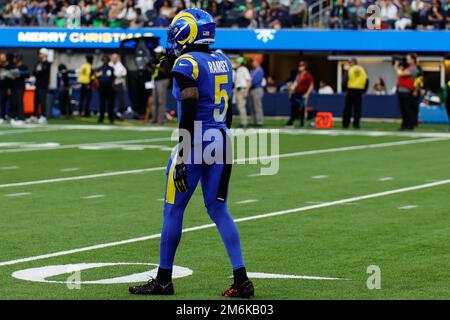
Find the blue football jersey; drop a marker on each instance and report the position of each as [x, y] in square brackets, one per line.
[212, 72]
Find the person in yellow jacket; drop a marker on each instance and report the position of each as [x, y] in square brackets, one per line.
[355, 85]
[85, 78]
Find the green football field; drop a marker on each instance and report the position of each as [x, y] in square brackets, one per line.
[81, 213]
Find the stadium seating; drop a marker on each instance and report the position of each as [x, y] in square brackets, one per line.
[335, 14]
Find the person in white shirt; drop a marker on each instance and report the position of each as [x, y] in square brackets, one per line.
[388, 13]
[120, 73]
[325, 88]
[242, 84]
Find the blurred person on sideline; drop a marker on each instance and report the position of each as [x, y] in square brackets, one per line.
[21, 73]
[407, 73]
[324, 88]
[162, 82]
[105, 76]
[447, 103]
[299, 94]
[41, 72]
[379, 88]
[242, 84]
[85, 77]
[257, 92]
[149, 86]
[120, 73]
[272, 86]
[64, 91]
[355, 85]
[6, 78]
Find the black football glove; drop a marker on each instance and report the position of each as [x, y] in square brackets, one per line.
[180, 177]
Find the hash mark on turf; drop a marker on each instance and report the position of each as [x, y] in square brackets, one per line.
[320, 177]
[255, 175]
[386, 179]
[18, 194]
[69, 169]
[9, 168]
[247, 201]
[407, 207]
[94, 196]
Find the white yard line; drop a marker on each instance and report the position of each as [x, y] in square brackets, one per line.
[9, 168]
[94, 196]
[90, 176]
[249, 218]
[18, 194]
[69, 169]
[247, 201]
[323, 176]
[283, 155]
[351, 148]
[333, 132]
[84, 145]
[407, 207]
[386, 179]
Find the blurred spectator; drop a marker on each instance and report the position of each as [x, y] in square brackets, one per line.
[248, 16]
[20, 73]
[139, 21]
[264, 15]
[115, 13]
[279, 15]
[436, 15]
[357, 15]
[257, 92]
[213, 9]
[225, 8]
[447, 13]
[355, 84]
[85, 78]
[145, 5]
[299, 94]
[105, 75]
[420, 13]
[181, 6]
[128, 14]
[242, 84]
[404, 16]
[42, 74]
[272, 86]
[388, 13]
[324, 88]
[120, 74]
[379, 88]
[162, 83]
[339, 16]
[297, 12]
[166, 13]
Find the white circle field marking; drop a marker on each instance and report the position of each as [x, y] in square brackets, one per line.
[41, 274]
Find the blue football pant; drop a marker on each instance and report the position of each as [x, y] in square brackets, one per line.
[176, 202]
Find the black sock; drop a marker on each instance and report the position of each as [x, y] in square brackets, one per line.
[240, 275]
[164, 276]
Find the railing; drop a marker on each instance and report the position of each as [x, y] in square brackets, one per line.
[316, 13]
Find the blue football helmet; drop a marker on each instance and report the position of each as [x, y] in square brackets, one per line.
[190, 26]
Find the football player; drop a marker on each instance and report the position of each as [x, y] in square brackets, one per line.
[202, 87]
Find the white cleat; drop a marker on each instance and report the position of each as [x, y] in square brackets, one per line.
[42, 120]
[32, 119]
[17, 123]
[2, 121]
